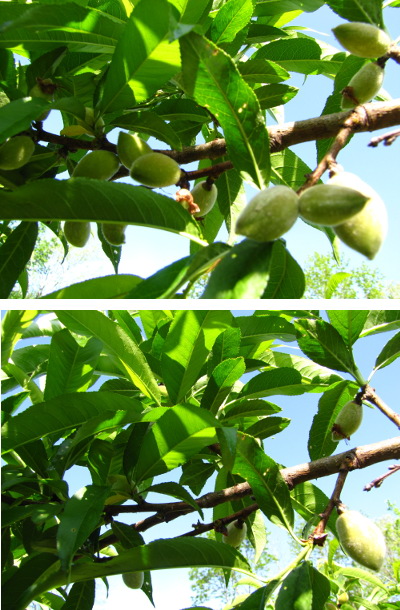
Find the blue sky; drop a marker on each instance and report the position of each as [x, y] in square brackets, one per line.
[148, 250]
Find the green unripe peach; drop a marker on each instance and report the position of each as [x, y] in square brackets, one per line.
[343, 598]
[366, 231]
[362, 39]
[114, 233]
[347, 421]
[133, 580]
[364, 86]
[236, 533]
[100, 164]
[76, 233]
[16, 152]
[270, 214]
[361, 539]
[156, 170]
[330, 204]
[205, 197]
[44, 88]
[130, 147]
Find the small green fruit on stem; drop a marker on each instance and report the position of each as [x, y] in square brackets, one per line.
[362, 39]
[343, 598]
[92, 123]
[77, 233]
[361, 539]
[330, 204]
[236, 533]
[270, 214]
[99, 164]
[156, 170]
[366, 231]
[347, 421]
[45, 89]
[130, 147]
[133, 580]
[363, 87]
[16, 152]
[205, 196]
[114, 233]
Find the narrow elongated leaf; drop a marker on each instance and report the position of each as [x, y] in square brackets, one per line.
[16, 589]
[283, 381]
[262, 71]
[308, 369]
[381, 321]
[246, 407]
[286, 279]
[49, 26]
[118, 343]
[320, 443]
[265, 480]
[188, 343]
[81, 596]
[211, 77]
[107, 287]
[176, 491]
[15, 254]
[144, 59]
[309, 501]
[322, 343]
[231, 18]
[362, 575]
[268, 427]
[70, 367]
[226, 346]
[96, 200]
[368, 11]
[180, 433]
[150, 123]
[19, 114]
[304, 589]
[60, 414]
[349, 324]
[81, 515]
[12, 327]
[298, 55]
[221, 382]
[389, 353]
[242, 273]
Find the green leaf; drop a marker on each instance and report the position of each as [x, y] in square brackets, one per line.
[15, 254]
[309, 501]
[187, 346]
[129, 356]
[221, 382]
[107, 287]
[322, 343]
[304, 589]
[96, 200]
[180, 433]
[362, 575]
[48, 26]
[334, 282]
[286, 279]
[17, 588]
[270, 96]
[143, 59]
[389, 353]
[246, 407]
[309, 370]
[81, 596]
[227, 438]
[262, 474]
[243, 273]
[18, 115]
[348, 323]
[231, 18]
[13, 325]
[195, 475]
[320, 443]
[268, 427]
[211, 77]
[82, 514]
[282, 381]
[176, 491]
[379, 321]
[127, 535]
[166, 282]
[262, 71]
[298, 55]
[70, 367]
[150, 123]
[60, 414]
[226, 346]
[369, 11]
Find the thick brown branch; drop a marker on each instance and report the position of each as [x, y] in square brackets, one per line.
[361, 457]
[368, 117]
